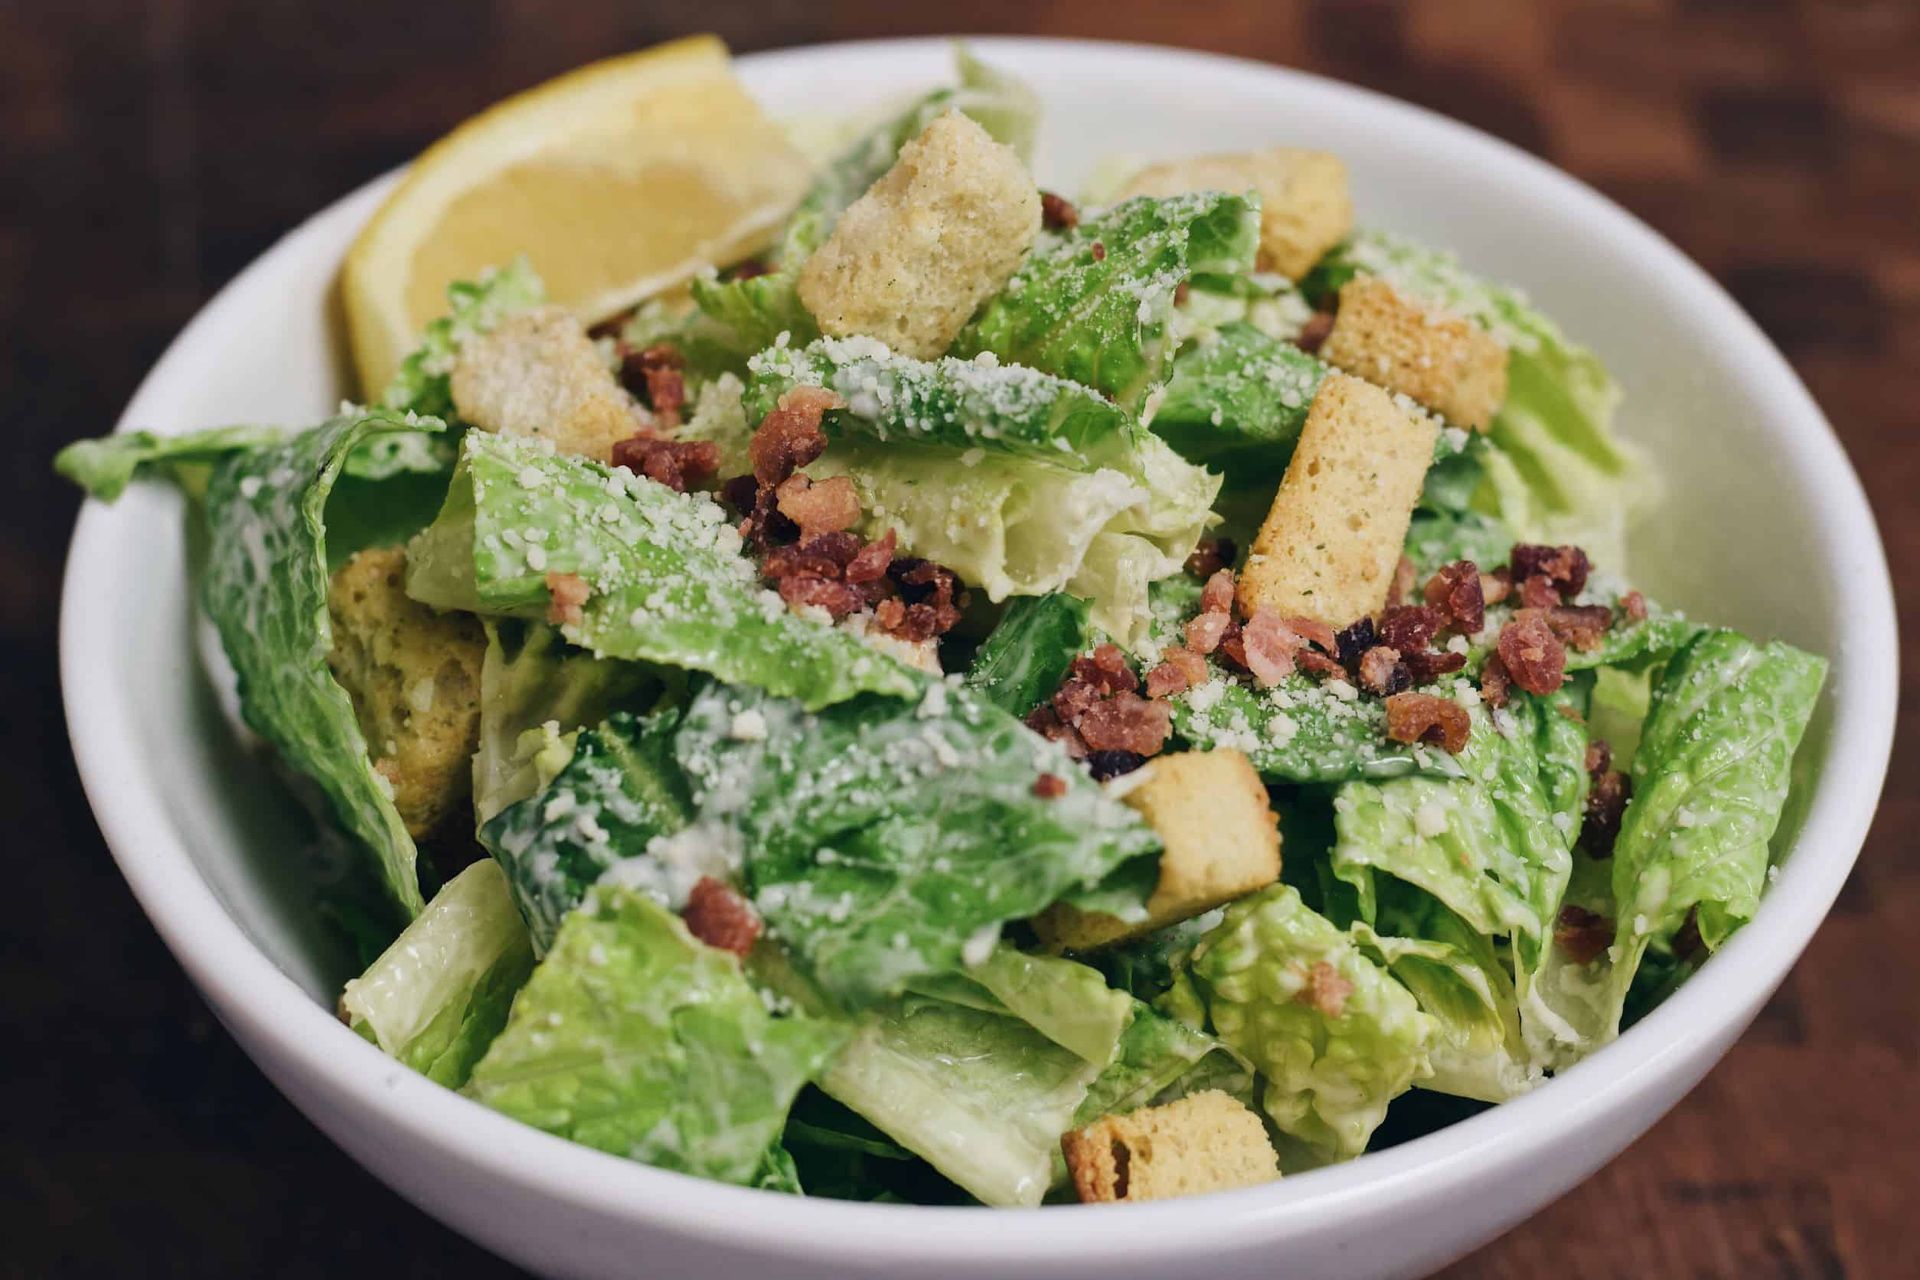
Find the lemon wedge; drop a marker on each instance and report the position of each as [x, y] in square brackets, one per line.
[617, 180]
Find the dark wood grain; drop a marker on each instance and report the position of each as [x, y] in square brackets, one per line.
[148, 151]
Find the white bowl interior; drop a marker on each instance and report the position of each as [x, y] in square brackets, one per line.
[1764, 528]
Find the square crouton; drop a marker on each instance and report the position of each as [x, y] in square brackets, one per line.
[538, 374]
[1329, 545]
[911, 260]
[414, 678]
[1444, 361]
[1305, 207]
[1222, 840]
[1205, 1142]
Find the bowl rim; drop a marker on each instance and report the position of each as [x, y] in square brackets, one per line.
[263, 1003]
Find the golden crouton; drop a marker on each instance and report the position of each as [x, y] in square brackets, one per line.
[1329, 545]
[1444, 361]
[912, 259]
[414, 677]
[1204, 1142]
[1222, 840]
[538, 374]
[1305, 208]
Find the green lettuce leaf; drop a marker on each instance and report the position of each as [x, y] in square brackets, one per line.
[753, 312]
[423, 384]
[1161, 1059]
[1237, 401]
[1333, 1036]
[1300, 730]
[266, 591]
[668, 583]
[1095, 303]
[438, 996]
[1028, 653]
[106, 466]
[634, 1038]
[1709, 781]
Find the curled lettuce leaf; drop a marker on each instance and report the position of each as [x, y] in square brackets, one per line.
[1333, 1036]
[106, 466]
[634, 1038]
[1030, 650]
[266, 591]
[1095, 303]
[1710, 779]
[438, 996]
[667, 581]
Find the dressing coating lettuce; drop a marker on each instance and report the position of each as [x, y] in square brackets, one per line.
[667, 581]
[437, 997]
[1030, 650]
[106, 466]
[635, 1038]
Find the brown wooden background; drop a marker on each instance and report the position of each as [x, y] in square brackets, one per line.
[149, 150]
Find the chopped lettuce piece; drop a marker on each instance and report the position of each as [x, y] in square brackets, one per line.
[266, 591]
[1334, 1037]
[1095, 303]
[535, 692]
[1030, 651]
[1301, 730]
[754, 311]
[956, 404]
[104, 467]
[1237, 403]
[634, 1038]
[438, 996]
[1709, 781]
[423, 384]
[1567, 1008]
[1160, 1059]
[666, 580]
[614, 793]
[886, 840]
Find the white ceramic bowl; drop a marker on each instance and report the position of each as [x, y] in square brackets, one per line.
[1765, 528]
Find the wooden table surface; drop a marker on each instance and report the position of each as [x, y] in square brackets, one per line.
[149, 151]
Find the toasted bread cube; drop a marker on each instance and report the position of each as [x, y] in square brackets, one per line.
[1305, 207]
[538, 374]
[1222, 841]
[1446, 362]
[1329, 545]
[414, 677]
[1205, 1142]
[911, 260]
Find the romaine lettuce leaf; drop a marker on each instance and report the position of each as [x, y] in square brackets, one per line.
[437, 997]
[104, 467]
[1030, 650]
[423, 384]
[1709, 781]
[883, 840]
[755, 311]
[634, 1038]
[1160, 1059]
[1094, 303]
[1334, 1037]
[1237, 401]
[1301, 730]
[266, 591]
[667, 581]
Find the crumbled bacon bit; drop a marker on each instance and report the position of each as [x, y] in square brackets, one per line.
[869, 564]
[748, 270]
[1126, 722]
[1565, 567]
[1319, 664]
[1057, 212]
[1099, 251]
[837, 598]
[1427, 666]
[827, 507]
[1105, 669]
[1454, 593]
[1533, 656]
[1314, 333]
[1634, 606]
[1210, 557]
[1325, 990]
[654, 376]
[720, 917]
[1181, 292]
[1599, 757]
[789, 437]
[1495, 587]
[1421, 717]
[933, 599]
[1270, 646]
[1606, 805]
[1495, 683]
[566, 593]
[1538, 592]
[1205, 631]
[1358, 637]
[1233, 646]
[1049, 786]
[1315, 632]
[1408, 627]
[676, 464]
[1179, 670]
[1402, 583]
[1582, 626]
[1584, 935]
[1382, 673]
[1217, 595]
[1046, 722]
[1072, 698]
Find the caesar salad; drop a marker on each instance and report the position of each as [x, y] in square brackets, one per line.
[1002, 696]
